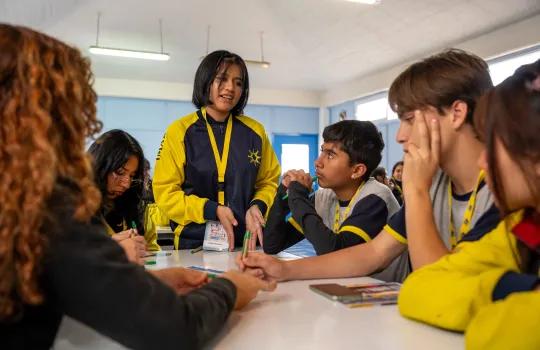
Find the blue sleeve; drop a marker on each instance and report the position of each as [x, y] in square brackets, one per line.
[323, 238]
[396, 226]
[513, 282]
[486, 223]
[278, 233]
[367, 219]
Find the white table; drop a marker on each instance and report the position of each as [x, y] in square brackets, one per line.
[292, 317]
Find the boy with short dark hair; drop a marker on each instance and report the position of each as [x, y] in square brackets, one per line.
[350, 207]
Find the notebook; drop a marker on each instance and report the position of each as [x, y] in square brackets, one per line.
[358, 295]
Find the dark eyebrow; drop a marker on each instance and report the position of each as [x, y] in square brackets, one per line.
[327, 150]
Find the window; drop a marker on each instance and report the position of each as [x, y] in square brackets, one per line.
[294, 156]
[503, 67]
[374, 109]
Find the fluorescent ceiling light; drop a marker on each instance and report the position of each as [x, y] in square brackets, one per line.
[147, 55]
[117, 52]
[262, 64]
[366, 2]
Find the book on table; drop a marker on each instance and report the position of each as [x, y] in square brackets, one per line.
[357, 295]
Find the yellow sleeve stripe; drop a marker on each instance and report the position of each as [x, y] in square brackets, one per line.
[177, 232]
[395, 234]
[357, 231]
[254, 125]
[295, 225]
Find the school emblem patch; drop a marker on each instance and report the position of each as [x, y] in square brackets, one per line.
[254, 157]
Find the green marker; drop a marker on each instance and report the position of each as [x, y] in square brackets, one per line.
[313, 179]
[247, 237]
[150, 262]
[134, 227]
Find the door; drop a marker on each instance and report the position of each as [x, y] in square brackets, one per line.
[296, 151]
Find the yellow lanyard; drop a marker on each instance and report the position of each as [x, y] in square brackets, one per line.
[469, 211]
[337, 214]
[221, 160]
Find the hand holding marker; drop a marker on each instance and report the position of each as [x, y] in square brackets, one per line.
[134, 229]
[313, 179]
[247, 237]
[134, 233]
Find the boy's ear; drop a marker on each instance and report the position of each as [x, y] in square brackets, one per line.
[459, 110]
[358, 171]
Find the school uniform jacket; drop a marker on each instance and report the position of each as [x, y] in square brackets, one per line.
[483, 288]
[300, 215]
[186, 178]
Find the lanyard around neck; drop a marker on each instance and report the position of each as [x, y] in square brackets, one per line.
[469, 211]
[337, 215]
[221, 160]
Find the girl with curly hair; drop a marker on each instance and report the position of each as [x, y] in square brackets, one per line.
[53, 261]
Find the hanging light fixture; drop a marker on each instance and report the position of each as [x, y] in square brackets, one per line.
[261, 63]
[113, 51]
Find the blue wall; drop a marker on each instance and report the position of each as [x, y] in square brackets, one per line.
[392, 151]
[147, 119]
[335, 110]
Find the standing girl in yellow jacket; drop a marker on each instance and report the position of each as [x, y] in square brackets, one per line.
[490, 288]
[216, 164]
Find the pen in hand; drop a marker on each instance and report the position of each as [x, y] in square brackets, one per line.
[134, 229]
[247, 237]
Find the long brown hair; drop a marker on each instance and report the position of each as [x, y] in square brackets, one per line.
[47, 109]
[510, 112]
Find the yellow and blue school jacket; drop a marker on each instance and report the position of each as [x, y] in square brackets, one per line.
[297, 214]
[153, 217]
[484, 288]
[186, 184]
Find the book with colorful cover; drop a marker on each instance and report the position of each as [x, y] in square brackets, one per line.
[359, 295]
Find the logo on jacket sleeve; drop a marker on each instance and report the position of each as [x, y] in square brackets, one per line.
[254, 157]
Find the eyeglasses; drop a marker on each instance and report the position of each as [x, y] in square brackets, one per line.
[126, 178]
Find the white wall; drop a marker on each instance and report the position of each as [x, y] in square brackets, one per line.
[158, 90]
[513, 37]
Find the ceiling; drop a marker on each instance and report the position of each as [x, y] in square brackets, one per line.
[312, 44]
